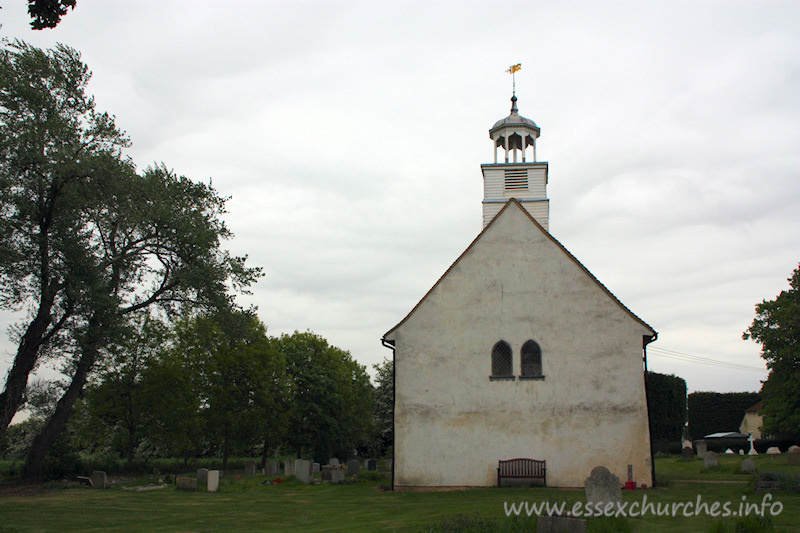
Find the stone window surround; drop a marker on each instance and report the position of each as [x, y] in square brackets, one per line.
[511, 377]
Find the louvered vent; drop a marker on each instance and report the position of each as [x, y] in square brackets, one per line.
[516, 180]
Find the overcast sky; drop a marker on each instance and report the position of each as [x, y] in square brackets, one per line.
[350, 137]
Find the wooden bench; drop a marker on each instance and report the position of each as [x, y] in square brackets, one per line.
[522, 469]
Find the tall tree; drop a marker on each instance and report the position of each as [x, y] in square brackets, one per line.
[332, 398]
[240, 378]
[777, 328]
[52, 143]
[118, 401]
[384, 406]
[88, 242]
[156, 242]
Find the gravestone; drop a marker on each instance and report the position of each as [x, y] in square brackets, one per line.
[332, 474]
[371, 464]
[186, 483]
[250, 468]
[99, 480]
[288, 467]
[773, 450]
[202, 477]
[315, 468]
[752, 440]
[794, 449]
[212, 481]
[748, 466]
[333, 461]
[560, 524]
[353, 466]
[793, 458]
[602, 487]
[702, 448]
[741, 451]
[710, 459]
[687, 453]
[302, 471]
[272, 468]
[729, 452]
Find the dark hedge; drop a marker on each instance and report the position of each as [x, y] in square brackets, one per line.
[666, 399]
[715, 412]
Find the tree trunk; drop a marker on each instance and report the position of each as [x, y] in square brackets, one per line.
[226, 448]
[44, 441]
[27, 354]
[264, 454]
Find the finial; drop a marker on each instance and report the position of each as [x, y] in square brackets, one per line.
[512, 70]
[514, 104]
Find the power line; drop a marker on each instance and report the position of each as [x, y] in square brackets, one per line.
[681, 356]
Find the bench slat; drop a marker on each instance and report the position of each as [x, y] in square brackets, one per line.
[521, 468]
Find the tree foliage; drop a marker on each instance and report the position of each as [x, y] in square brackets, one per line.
[384, 406]
[88, 241]
[717, 412]
[48, 13]
[53, 145]
[777, 328]
[332, 397]
[240, 378]
[666, 396]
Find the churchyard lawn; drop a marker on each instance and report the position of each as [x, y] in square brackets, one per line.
[245, 504]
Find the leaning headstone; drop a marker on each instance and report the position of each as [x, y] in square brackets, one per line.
[560, 524]
[773, 450]
[793, 458]
[99, 480]
[702, 447]
[687, 453]
[602, 487]
[748, 466]
[288, 467]
[202, 477]
[302, 471]
[272, 468]
[353, 466]
[315, 468]
[333, 461]
[710, 459]
[250, 468]
[186, 483]
[212, 481]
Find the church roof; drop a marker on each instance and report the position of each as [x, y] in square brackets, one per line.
[514, 202]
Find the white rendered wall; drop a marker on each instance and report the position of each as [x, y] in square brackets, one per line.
[452, 424]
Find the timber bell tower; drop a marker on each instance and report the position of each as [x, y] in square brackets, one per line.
[518, 175]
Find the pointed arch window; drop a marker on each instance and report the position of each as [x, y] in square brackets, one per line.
[531, 361]
[502, 365]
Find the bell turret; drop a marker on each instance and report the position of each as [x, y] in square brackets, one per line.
[519, 175]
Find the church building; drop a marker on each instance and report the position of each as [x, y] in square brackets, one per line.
[518, 351]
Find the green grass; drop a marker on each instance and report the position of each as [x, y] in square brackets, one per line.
[245, 504]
